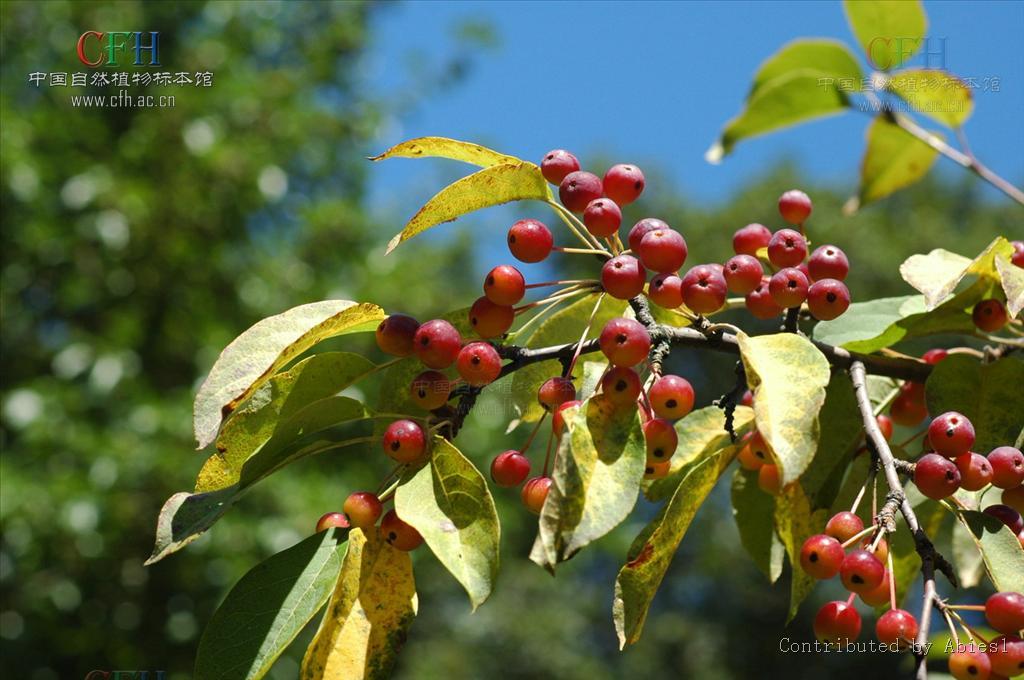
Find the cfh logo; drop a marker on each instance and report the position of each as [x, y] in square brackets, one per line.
[124, 675]
[886, 53]
[96, 48]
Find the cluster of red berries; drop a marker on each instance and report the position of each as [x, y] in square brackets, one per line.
[1003, 655]
[990, 315]
[362, 509]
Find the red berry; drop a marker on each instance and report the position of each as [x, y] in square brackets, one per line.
[623, 277]
[879, 595]
[794, 206]
[788, 287]
[951, 434]
[661, 439]
[504, 285]
[743, 273]
[881, 550]
[363, 509]
[557, 164]
[704, 289]
[748, 459]
[666, 290]
[671, 397]
[861, 571]
[555, 392]
[975, 471]
[510, 468]
[624, 342]
[828, 299]
[437, 343]
[768, 479]
[1005, 612]
[837, 622]
[844, 526]
[1007, 515]
[907, 408]
[330, 521]
[759, 447]
[885, 425]
[1018, 253]
[1014, 498]
[748, 399]
[936, 477]
[970, 664]
[750, 239]
[579, 188]
[478, 364]
[430, 390]
[759, 302]
[558, 416]
[490, 320]
[640, 229]
[657, 470]
[934, 356]
[828, 262]
[399, 534]
[663, 250]
[1006, 654]
[404, 441]
[530, 241]
[896, 626]
[602, 217]
[395, 335]
[1007, 467]
[535, 492]
[621, 385]
[787, 248]
[989, 315]
[624, 183]
[821, 556]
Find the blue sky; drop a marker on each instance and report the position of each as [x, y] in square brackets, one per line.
[656, 80]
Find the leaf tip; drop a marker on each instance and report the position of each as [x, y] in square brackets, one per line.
[715, 153]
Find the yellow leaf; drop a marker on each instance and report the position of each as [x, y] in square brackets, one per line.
[442, 147]
[939, 95]
[938, 273]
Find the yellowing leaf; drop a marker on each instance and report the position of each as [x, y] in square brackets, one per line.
[939, 95]
[892, 160]
[795, 523]
[889, 31]
[491, 186]
[1012, 278]
[938, 273]
[442, 147]
[368, 615]
[753, 511]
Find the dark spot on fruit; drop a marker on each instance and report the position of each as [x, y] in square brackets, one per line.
[671, 403]
[424, 341]
[472, 320]
[792, 283]
[949, 475]
[857, 579]
[621, 338]
[648, 470]
[422, 393]
[490, 280]
[475, 360]
[813, 557]
[620, 385]
[392, 536]
[639, 185]
[511, 238]
[831, 297]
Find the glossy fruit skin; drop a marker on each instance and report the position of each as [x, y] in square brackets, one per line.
[1018, 253]
[666, 290]
[748, 459]
[510, 468]
[820, 556]
[788, 287]
[624, 183]
[1006, 654]
[602, 217]
[661, 439]
[970, 664]
[530, 241]
[907, 408]
[1007, 467]
[437, 343]
[621, 385]
[975, 471]
[951, 434]
[363, 509]
[663, 250]
[844, 526]
[640, 229]
[881, 551]
[989, 315]
[879, 595]
[623, 277]
[795, 206]
[759, 447]
[828, 299]
[577, 189]
[837, 622]
[404, 441]
[885, 425]
[742, 274]
[395, 335]
[1014, 498]
[759, 302]
[861, 571]
[331, 520]
[624, 342]
[896, 626]
[490, 320]
[535, 492]
[704, 289]
[751, 238]
[504, 285]
[748, 399]
[478, 363]
[1005, 612]
[557, 164]
[671, 397]
[430, 390]
[657, 470]
[399, 534]
[828, 262]
[787, 248]
[556, 391]
[1007, 515]
[768, 479]
[934, 356]
[558, 415]
[936, 476]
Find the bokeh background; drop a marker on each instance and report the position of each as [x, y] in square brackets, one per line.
[136, 243]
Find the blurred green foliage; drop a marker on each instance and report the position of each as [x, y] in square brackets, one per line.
[137, 243]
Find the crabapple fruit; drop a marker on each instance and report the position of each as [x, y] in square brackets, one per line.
[704, 289]
[510, 468]
[579, 188]
[331, 520]
[602, 217]
[556, 391]
[624, 183]
[363, 509]
[787, 248]
[404, 441]
[437, 343]
[621, 385]
[530, 240]
[821, 556]
[504, 285]
[395, 335]
[663, 250]
[535, 492]
[623, 277]
[788, 287]
[742, 274]
[666, 290]
[751, 238]
[557, 164]
[794, 206]
[936, 477]
[490, 320]
[478, 363]
[827, 299]
[399, 534]
[624, 342]
[828, 262]
[671, 397]
[661, 439]
[951, 434]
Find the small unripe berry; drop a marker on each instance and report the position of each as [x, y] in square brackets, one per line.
[1006, 654]
[970, 664]
[760, 303]
[437, 343]
[861, 571]
[896, 626]
[794, 206]
[989, 315]
[936, 477]
[602, 217]
[395, 335]
[490, 320]
[363, 509]
[1014, 498]
[748, 459]
[623, 277]
[821, 556]
[768, 479]
[641, 228]
[666, 290]
[837, 622]
[843, 526]
[1007, 515]
[661, 439]
[742, 273]
[579, 188]
[975, 471]
[704, 289]
[479, 364]
[671, 397]
[555, 392]
[399, 534]
[828, 262]
[535, 492]
[624, 342]
[404, 441]
[557, 164]
[951, 434]
[934, 356]
[430, 390]
[663, 250]
[1005, 612]
[751, 238]
[827, 299]
[657, 470]
[510, 468]
[624, 183]
[787, 248]
[331, 520]
[504, 285]
[530, 241]
[1007, 467]
[558, 415]
[788, 287]
[621, 385]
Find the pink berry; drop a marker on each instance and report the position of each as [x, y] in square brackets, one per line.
[787, 248]
[760, 303]
[490, 320]
[624, 183]
[970, 664]
[934, 356]
[621, 385]
[827, 299]
[861, 571]
[602, 217]
[530, 240]
[1007, 515]
[557, 164]
[837, 622]
[624, 342]
[896, 627]
[395, 335]
[510, 468]
[640, 229]
[975, 471]
[1005, 612]
[578, 189]
[828, 262]
[751, 238]
[663, 250]
[742, 274]
[936, 477]
[666, 290]
[535, 492]
[331, 520]
[844, 526]
[821, 556]
[661, 439]
[478, 363]
[1007, 467]
[623, 277]
[430, 390]
[1006, 654]
[404, 441]
[363, 509]
[400, 535]
[1018, 253]
[989, 315]
[671, 397]
[794, 206]
[704, 289]
[788, 287]
[437, 343]
[555, 392]
[558, 416]
[951, 434]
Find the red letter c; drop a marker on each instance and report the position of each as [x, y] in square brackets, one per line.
[94, 64]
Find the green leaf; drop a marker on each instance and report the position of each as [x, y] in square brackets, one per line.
[267, 413]
[1000, 549]
[448, 502]
[788, 376]
[889, 31]
[595, 482]
[939, 95]
[788, 99]
[255, 355]
[937, 274]
[268, 608]
[795, 523]
[494, 185]
[1012, 279]
[970, 565]
[893, 159]
[368, 615]
[990, 395]
[829, 57]
[442, 147]
[753, 511]
[842, 430]
[652, 552]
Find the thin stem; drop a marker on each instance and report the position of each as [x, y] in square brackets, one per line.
[952, 627]
[582, 251]
[564, 282]
[583, 335]
[529, 440]
[861, 534]
[575, 226]
[967, 607]
[551, 298]
[892, 581]
[547, 456]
